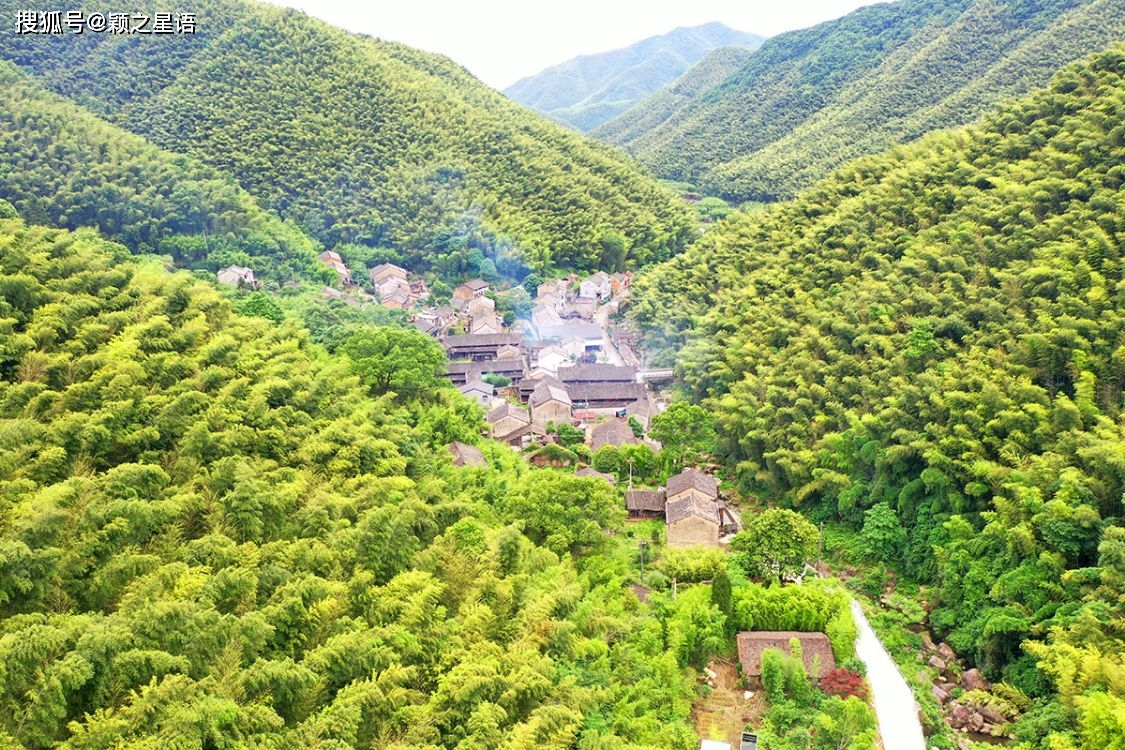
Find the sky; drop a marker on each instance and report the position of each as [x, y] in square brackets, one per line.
[501, 41]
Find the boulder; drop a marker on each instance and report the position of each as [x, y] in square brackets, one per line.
[945, 652]
[937, 663]
[941, 696]
[992, 714]
[976, 722]
[972, 680]
[927, 641]
[960, 715]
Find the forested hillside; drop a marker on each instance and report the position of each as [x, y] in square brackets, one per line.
[591, 89]
[60, 165]
[698, 79]
[929, 347]
[810, 100]
[358, 140]
[212, 534]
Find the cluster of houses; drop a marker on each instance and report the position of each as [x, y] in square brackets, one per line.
[575, 394]
[694, 514]
[397, 289]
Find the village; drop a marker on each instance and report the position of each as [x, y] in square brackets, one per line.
[563, 374]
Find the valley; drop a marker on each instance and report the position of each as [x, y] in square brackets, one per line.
[345, 402]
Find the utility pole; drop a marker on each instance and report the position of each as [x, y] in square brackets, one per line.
[820, 548]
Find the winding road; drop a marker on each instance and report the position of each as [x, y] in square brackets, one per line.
[893, 699]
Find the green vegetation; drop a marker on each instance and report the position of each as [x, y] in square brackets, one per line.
[62, 166]
[213, 533]
[927, 349]
[803, 717]
[810, 100]
[359, 141]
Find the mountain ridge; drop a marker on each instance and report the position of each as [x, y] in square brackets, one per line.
[588, 89]
[809, 100]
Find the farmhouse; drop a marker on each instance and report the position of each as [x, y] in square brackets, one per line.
[816, 650]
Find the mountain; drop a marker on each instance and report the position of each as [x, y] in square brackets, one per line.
[807, 101]
[926, 348]
[150, 200]
[700, 78]
[361, 141]
[590, 89]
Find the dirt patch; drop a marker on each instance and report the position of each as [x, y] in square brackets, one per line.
[726, 711]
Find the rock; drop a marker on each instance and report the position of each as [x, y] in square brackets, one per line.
[945, 652]
[960, 715]
[927, 641]
[949, 687]
[992, 714]
[937, 663]
[748, 695]
[972, 680]
[711, 674]
[940, 695]
[976, 722]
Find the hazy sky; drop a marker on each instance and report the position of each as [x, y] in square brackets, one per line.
[501, 41]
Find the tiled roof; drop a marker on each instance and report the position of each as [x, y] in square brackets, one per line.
[598, 373]
[689, 478]
[685, 507]
[645, 500]
[816, 650]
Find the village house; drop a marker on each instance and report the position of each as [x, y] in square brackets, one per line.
[466, 455]
[486, 324]
[551, 357]
[692, 522]
[479, 306]
[643, 410]
[620, 282]
[604, 398]
[613, 432]
[549, 402]
[460, 373]
[470, 290]
[816, 651]
[399, 300]
[506, 419]
[478, 347]
[237, 276]
[595, 286]
[479, 391]
[509, 352]
[385, 272]
[645, 503]
[332, 259]
[576, 336]
[693, 483]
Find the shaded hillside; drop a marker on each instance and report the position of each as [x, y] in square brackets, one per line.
[62, 166]
[214, 535]
[589, 90]
[810, 100]
[928, 347]
[359, 140]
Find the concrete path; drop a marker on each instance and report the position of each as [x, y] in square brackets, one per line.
[893, 699]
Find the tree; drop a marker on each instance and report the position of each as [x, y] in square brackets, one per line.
[262, 305]
[687, 432]
[883, 536]
[775, 543]
[400, 360]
